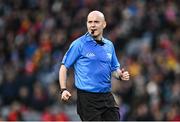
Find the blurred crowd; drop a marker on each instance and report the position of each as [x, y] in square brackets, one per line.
[34, 35]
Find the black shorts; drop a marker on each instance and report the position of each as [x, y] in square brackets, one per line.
[97, 106]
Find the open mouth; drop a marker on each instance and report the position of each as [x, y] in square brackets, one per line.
[92, 31]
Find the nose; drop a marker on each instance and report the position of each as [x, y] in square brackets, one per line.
[92, 24]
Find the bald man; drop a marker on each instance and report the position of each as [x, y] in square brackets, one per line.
[94, 60]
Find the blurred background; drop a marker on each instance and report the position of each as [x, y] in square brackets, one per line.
[35, 34]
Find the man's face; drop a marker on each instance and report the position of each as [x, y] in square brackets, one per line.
[95, 24]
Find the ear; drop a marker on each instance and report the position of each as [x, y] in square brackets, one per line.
[104, 24]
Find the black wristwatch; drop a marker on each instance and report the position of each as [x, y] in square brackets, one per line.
[63, 89]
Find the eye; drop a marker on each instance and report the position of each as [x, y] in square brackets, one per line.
[89, 21]
[97, 22]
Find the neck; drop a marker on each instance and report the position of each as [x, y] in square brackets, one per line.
[100, 42]
[98, 37]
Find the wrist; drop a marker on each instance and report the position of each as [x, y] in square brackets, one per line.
[62, 90]
[120, 78]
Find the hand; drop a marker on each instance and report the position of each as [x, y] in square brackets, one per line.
[65, 95]
[124, 75]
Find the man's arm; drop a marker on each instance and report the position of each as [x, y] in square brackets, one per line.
[62, 82]
[121, 74]
[62, 77]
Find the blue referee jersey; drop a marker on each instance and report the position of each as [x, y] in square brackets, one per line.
[93, 63]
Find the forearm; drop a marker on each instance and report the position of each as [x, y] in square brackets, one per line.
[116, 74]
[121, 74]
[62, 76]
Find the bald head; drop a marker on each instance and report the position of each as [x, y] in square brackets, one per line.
[98, 14]
[95, 24]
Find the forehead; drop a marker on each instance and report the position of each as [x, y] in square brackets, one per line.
[95, 16]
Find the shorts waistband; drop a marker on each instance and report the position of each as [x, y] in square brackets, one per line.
[83, 91]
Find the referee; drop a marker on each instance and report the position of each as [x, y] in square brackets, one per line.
[94, 60]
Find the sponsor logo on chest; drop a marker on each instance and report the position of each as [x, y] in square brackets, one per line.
[90, 55]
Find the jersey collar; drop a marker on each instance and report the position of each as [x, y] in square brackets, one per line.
[90, 38]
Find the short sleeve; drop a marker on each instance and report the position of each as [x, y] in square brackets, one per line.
[72, 54]
[114, 62]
